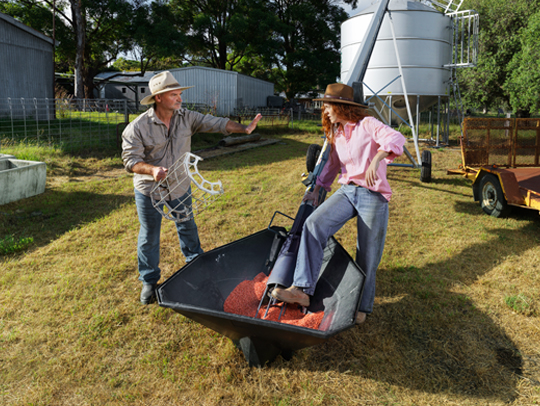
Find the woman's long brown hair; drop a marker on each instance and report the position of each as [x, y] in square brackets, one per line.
[347, 112]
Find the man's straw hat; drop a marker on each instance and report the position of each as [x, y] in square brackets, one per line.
[161, 83]
[340, 93]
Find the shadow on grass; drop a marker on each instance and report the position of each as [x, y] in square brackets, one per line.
[433, 184]
[284, 150]
[53, 213]
[426, 337]
[516, 212]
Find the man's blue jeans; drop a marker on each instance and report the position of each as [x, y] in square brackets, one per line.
[371, 209]
[149, 237]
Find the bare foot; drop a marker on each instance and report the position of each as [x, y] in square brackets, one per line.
[360, 318]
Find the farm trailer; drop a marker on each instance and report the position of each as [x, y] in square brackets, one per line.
[502, 158]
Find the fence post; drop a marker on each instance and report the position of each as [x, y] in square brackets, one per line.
[24, 115]
[47, 107]
[126, 114]
[37, 118]
[292, 118]
[11, 116]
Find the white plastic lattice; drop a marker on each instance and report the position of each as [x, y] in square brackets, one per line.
[180, 176]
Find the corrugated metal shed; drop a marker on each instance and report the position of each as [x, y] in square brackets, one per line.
[215, 88]
[218, 90]
[27, 61]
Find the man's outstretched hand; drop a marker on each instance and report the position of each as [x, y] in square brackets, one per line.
[251, 126]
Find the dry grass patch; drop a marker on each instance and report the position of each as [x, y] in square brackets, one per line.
[455, 320]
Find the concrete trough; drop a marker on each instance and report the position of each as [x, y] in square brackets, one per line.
[20, 179]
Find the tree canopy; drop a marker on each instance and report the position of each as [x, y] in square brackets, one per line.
[523, 82]
[505, 42]
[307, 43]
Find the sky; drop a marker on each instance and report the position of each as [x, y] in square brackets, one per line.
[362, 4]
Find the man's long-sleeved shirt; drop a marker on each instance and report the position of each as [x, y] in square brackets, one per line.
[147, 139]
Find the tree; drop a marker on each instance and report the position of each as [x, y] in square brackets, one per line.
[155, 36]
[79, 28]
[307, 33]
[219, 33]
[523, 82]
[501, 25]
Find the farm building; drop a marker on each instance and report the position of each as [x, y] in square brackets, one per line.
[216, 90]
[110, 85]
[27, 62]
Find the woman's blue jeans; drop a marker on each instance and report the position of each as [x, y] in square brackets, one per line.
[371, 210]
[149, 238]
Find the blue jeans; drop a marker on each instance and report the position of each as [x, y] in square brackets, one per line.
[371, 210]
[149, 236]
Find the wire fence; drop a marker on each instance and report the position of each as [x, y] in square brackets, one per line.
[72, 124]
[83, 124]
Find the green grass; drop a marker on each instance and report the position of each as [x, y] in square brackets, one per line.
[10, 245]
[450, 323]
[519, 303]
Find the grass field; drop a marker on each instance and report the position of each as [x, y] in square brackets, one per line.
[456, 317]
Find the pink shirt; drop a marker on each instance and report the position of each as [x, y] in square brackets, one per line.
[353, 151]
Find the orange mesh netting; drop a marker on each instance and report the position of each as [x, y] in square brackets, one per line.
[245, 298]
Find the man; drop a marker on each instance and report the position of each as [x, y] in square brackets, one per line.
[151, 144]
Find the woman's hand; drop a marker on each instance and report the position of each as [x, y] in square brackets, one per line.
[371, 173]
[313, 196]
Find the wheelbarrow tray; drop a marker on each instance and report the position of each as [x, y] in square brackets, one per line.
[199, 290]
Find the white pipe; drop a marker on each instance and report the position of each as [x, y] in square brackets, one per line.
[415, 135]
[363, 55]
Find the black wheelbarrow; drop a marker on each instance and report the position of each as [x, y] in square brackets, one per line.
[199, 290]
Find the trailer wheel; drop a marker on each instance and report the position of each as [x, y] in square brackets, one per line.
[492, 197]
[313, 152]
[425, 171]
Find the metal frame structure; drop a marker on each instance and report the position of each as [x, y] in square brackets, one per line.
[464, 51]
[184, 172]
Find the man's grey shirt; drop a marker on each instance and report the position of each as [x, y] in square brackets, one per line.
[147, 139]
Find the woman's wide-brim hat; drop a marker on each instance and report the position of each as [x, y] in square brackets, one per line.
[340, 93]
[161, 83]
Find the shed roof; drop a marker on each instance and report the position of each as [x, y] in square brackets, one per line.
[140, 80]
[12, 21]
[127, 78]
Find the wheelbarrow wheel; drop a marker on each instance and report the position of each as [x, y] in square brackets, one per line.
[492, 197]
[425, 171]
[313, 152]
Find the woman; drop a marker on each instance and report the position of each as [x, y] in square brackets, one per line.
[361, 147]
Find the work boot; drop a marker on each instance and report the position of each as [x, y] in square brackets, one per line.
[148, 294]
[291, 295]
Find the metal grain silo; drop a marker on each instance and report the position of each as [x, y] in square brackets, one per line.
[424, 41]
